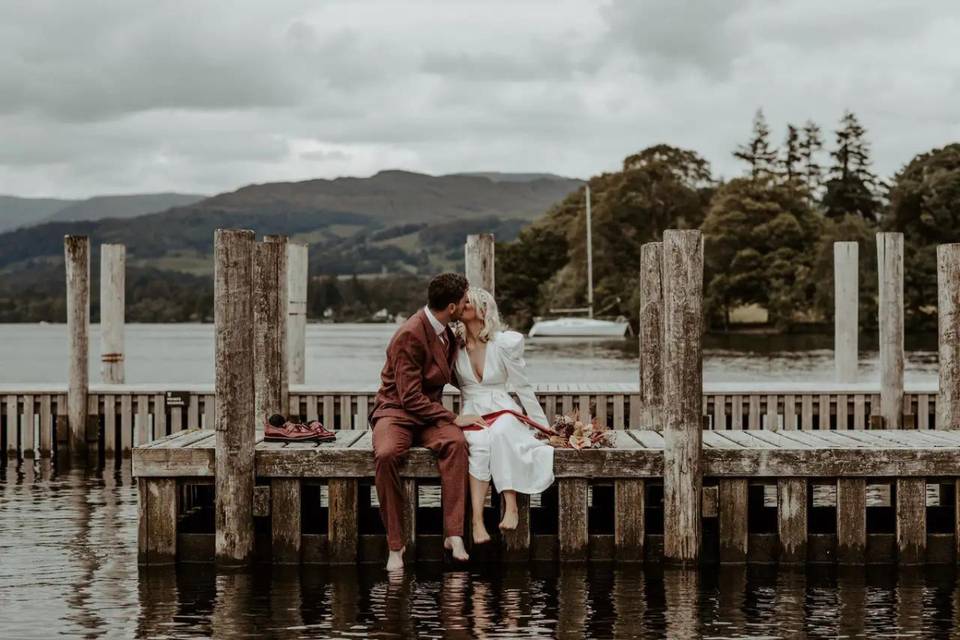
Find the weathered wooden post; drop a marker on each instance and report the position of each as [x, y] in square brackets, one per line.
[235, 418]
[890, 269]
[846, 302]
[113, 260]
[77, 260]
[270, 322]
[651, 334]
[479, 261]
[683, 394]
[297, 275]
[948, 324]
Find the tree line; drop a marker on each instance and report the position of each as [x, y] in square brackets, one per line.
[768, 233]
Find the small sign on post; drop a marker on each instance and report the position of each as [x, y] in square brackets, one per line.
[177, 398]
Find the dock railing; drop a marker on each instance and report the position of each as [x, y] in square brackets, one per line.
[133, 414]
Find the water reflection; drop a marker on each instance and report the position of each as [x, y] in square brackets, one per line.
[68, 567]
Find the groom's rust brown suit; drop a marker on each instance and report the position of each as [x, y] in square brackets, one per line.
[408, 411]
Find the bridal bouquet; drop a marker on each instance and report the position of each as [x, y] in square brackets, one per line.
[573, 433]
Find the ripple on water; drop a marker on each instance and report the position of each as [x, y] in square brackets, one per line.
[68, 567]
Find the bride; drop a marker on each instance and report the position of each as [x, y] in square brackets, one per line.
[506, 450]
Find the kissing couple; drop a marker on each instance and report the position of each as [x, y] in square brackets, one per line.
[457, 338]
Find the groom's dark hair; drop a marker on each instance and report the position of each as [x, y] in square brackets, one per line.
[444, 289]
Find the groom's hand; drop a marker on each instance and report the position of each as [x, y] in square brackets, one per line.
[467, 420]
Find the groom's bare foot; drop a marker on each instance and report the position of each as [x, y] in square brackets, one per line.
[454, 544]
[510, 521]
[480, 535]
[395, 560]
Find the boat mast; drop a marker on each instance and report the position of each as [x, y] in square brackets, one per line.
[589, 258]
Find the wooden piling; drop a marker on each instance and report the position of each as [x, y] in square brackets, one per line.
[516, 543]
[297, 277]
[890, 270]
[342, 528]
[285, 519]
[650, 334]
[77, 261]
[479, 261]
[628, 532]
[157, 521]
[732, 516]
[572, 526]
[792, 519]
[270, 321]
[235, 419]
[911, 520]
[683, 394]
[846, 302]
[948, 324]
[851, 520]
[113, 259]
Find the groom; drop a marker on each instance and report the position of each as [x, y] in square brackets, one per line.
[408, 411]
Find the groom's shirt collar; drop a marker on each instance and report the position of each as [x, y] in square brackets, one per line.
[438, 326]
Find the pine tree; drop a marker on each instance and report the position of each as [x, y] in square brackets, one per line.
[791, 159]
[852, 186]
[810, 146]
[758, 153]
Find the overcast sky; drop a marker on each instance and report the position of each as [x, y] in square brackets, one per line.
[125, 96]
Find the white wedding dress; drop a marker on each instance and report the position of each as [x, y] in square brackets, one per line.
[506, 451]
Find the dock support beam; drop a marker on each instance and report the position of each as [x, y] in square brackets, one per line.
[157, 531]
[572, 527]
[851, 520]
[890, 270]
[297, 277]
[683, 394]
[77, 261]
[113, 260]
[846, 303]
[628, 532]
[235, 421]
[479, 261]
[911, 520]
[732, 516]
[650, 335]
[948, 324]
[272, 389]
[792, 519]
[285, 520]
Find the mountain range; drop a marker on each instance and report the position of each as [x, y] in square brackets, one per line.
[394, 221]
[16, 212]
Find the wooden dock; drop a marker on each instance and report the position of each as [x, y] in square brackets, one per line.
[768, 496]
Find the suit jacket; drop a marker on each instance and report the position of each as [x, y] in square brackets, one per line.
[418, 367]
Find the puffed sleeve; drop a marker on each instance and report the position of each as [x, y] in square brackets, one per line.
[510, 344]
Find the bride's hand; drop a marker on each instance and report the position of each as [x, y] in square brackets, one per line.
[467, 420]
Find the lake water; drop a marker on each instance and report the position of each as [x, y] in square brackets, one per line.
[352, 354]
[68, 563]
[68, 568]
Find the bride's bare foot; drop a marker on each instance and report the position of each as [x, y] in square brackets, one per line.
[480, 535]
[395, 560]
[509, 521]
[454, 544]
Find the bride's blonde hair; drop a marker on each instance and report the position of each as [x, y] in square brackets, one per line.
[486, 307]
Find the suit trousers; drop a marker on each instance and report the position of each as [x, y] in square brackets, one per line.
[392, 439]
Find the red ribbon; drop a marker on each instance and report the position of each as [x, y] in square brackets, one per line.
[491, 417]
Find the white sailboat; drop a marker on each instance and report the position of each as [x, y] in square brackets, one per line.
[588, 327]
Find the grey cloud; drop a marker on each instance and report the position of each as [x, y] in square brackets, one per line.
[128, 95]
